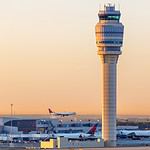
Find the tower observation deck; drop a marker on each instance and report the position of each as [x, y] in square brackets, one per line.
[109, 40]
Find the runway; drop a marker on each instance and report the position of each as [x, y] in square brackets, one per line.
[116, 148]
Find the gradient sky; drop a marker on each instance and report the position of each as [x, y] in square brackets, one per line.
[48, 57]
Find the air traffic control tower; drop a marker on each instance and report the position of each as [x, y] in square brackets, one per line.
[109, 40]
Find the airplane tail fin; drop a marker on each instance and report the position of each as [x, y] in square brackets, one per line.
[92, 129]
[50, 111]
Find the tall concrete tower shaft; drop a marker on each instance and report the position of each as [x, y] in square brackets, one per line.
[109, 39]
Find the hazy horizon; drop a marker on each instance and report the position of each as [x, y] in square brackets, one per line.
[79, 116]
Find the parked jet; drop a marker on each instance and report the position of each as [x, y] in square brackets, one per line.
[134, 134]
[79, 136]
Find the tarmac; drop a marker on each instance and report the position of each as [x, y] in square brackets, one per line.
[116, 148]
[123, 148]
[122, 145]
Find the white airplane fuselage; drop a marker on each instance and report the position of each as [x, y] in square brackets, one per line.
[139, 133]
[77, 135]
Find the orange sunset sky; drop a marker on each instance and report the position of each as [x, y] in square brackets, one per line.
[48, 57]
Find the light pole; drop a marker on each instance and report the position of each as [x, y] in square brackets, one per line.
[11, 123]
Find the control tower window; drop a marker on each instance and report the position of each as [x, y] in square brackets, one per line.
[114, 17]
[109, 17]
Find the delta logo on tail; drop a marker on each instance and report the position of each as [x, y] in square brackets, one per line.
[50, 111]
[92, 130]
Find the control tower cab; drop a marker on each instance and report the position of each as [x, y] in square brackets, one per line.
[109, 31]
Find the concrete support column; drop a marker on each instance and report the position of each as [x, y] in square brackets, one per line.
[109, 64]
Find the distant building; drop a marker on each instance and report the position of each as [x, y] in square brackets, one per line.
[49, 125]
[24, 126]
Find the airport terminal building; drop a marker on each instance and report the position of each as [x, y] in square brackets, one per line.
[51, 125]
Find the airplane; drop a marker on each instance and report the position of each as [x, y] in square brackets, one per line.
[90, 135]
[61, 114]
[134, 134]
